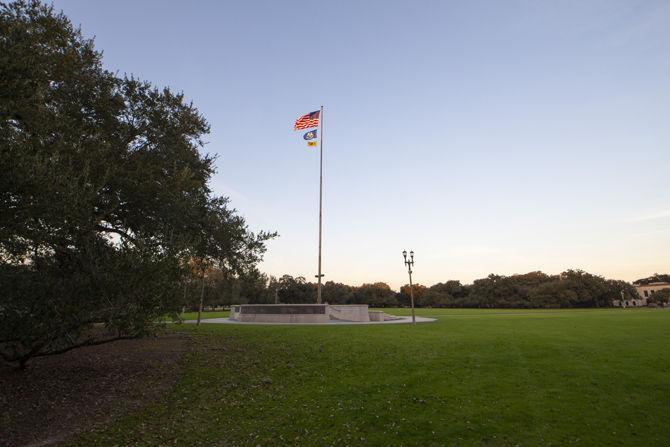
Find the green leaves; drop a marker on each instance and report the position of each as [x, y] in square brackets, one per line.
[104, 193]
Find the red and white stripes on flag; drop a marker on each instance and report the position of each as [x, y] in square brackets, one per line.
[307, 121]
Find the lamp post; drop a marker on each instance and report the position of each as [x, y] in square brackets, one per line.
[409, 263]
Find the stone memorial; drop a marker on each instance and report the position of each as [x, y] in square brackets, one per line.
[302, 313]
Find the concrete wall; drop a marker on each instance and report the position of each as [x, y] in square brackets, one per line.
[630, 303]
[299, 313]
[283, 318]
[376, 315]
[350, 312]
[280, 313]
[234, 312]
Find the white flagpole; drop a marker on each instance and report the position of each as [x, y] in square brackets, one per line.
[318, 291]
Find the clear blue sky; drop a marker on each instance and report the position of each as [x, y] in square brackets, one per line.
[487, 136]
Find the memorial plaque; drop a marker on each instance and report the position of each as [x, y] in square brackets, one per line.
[287, 309]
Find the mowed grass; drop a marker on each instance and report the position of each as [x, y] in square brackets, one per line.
[474, 377]
[186, 316]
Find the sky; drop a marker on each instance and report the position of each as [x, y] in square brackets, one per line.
[488, 137]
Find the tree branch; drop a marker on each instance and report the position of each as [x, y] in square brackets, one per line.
[23, 359]
[114, 230]
[86, 343]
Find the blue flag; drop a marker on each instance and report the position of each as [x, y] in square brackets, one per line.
[310, 135]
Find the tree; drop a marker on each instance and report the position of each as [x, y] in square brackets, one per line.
[496, 291]
[449, 294]
[254, 288]
[295, 290]
[104, 194]
[336, 293]
[576, 288]
[507, 291]
[378, 294]
[222, 240]
[617, 289]
[661, 297]
[419, 292]
[590, 290]
[554, 294]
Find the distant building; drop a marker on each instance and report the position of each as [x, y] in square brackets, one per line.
[635, 302]
[647, 290]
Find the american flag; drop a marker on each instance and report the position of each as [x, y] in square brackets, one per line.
[307, 121]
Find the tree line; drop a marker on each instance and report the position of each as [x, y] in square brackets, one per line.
[572, 288]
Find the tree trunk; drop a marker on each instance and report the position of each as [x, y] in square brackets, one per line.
[202, 297]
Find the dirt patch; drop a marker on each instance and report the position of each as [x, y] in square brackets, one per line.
[60, 396]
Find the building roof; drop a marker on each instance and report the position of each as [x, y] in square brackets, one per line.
[657, 283]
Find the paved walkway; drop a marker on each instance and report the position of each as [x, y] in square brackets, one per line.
[400, 320]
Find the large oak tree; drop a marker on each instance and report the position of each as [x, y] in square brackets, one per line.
[104, 194]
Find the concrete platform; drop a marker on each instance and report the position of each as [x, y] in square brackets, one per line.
[400, 320]
[302, 313]
[280, 313]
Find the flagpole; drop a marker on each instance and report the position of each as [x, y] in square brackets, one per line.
[318, 291]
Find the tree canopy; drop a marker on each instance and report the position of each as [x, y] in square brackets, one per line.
[661, 297]
[104, 194]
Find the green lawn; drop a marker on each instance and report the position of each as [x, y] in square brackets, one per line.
[194, 315]
[474, 377]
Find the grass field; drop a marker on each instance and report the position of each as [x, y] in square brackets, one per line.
[474, 377]
[194, 315]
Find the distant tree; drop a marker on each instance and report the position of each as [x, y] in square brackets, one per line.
[615, 289]
[435, 298]
[576, 288]
[572, 288]
[336, 293]
[660, 297]
[378, 294]
[554, 294]
[591, 290]
[194, 279]
[104, 194]
[295, 290]
[498, 291]
[448, 294]
[254, 288]
[273, 289]
[419, 292]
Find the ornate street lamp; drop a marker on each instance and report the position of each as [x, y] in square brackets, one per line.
[409, 263]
